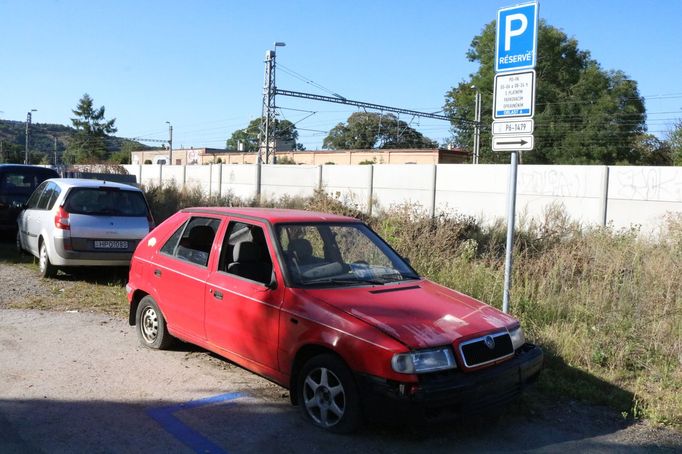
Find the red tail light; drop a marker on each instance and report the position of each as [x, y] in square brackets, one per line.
[150, 220]
[61, 219]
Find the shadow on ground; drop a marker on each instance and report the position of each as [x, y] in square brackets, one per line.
[250, 423]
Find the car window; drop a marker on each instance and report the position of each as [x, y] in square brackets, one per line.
[294, 233]
[193, 240]
[46, 196]
[245, 253]
[106, 201]
[339, 254]
[55, 190]
[35, 197]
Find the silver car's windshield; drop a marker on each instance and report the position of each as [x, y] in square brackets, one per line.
[343, 254]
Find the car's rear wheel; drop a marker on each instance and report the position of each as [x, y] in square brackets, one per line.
[20, 249]
[46, 268]
[151, 326]
[328, 396]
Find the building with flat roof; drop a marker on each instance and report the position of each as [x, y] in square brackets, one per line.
[198, 156]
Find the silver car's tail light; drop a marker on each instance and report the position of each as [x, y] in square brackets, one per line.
[61, 219]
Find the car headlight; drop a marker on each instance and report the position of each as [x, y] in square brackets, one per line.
[517, 337]
[424, 361]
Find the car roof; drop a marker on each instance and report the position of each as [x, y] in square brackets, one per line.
[27, 167]
[273, 215]
[87, 183]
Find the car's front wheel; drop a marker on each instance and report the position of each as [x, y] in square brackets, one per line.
[328, 396]
[151, 326]
[46, 268]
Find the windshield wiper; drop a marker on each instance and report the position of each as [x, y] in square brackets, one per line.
[344, 280]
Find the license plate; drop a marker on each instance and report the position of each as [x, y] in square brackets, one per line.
[108, 244]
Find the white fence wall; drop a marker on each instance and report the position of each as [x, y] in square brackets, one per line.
[395, 184]
[621, 196]
[288, 180]
[240, 180]
[352, 184]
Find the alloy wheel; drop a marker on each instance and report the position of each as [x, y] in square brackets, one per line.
[324, 397]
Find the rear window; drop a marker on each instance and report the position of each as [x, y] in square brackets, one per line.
[21, 182]
[106, 201]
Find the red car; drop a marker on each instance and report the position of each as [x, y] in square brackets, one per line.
[321, 305]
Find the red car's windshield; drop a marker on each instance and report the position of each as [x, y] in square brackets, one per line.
[327, 254]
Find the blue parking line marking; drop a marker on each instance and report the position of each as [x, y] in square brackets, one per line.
[192, 439]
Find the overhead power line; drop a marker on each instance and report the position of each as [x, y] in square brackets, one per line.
[367, 105]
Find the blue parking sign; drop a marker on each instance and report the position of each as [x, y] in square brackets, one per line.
[516, 39]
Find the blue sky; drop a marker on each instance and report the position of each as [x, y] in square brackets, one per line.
[199, 64]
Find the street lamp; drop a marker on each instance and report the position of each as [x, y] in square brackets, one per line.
[477, 124]
[170, 142]
[28, 126]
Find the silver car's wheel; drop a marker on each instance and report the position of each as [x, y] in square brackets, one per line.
[151, 326]
[46, 268]
[327, 394]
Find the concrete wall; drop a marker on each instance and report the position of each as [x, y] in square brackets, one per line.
[350, 184]
[593, 195]
[280, 180]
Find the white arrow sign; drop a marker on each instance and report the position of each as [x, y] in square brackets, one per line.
[513, 143]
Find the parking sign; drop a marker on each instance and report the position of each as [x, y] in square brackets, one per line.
[516, 39]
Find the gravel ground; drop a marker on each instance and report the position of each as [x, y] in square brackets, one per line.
[79, 382]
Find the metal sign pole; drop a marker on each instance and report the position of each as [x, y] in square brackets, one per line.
[513, 169]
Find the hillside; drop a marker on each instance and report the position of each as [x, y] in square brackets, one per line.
[13, 141]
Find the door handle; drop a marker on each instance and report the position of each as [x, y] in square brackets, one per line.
[157, 273]
[218, 295]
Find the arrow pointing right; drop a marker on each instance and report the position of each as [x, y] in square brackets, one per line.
[509, 142]
[518, 142]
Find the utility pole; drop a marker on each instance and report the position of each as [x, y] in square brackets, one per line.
[55, 150]
[170, 142]
[477, 125]
[28, 128]
[267, 124]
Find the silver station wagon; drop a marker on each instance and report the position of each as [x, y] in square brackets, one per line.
[73, 222]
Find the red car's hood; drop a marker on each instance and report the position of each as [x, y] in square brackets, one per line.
[419, 314]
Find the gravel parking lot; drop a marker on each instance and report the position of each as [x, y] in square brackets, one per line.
[79, 382]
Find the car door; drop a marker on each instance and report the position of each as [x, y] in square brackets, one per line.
[179, 273]
[29, 222]
[242, 306]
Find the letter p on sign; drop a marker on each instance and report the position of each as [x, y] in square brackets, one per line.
[516, 38]
[509, 32]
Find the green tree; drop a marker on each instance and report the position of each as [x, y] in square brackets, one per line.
[365, 130]
[583, 114]
[122, 156]
[674, 141]
[92, 129]
[285, 134]
[650, 150]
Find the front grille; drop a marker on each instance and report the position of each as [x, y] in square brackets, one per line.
[475, 352]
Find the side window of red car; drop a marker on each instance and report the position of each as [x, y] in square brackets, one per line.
[192, 241]
[245, 253]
